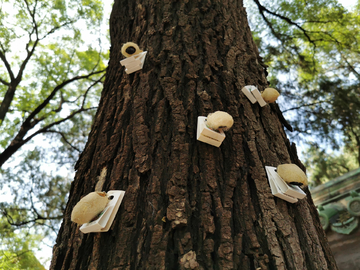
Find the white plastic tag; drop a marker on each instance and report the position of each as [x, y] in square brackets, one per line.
[253, 94]
[106, 218]
[206, 135]
[281, 189]
[134, 63]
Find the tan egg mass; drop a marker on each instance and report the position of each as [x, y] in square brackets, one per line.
[292, 174]
[89, 207]
[219, 121]
[270, 95]
[130, 49]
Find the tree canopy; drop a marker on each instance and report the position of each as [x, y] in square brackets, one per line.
[311, 49]
[17, 248]
[52, 66]
[50, 79]
[325, 166]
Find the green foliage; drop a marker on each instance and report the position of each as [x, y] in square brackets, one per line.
[39, 194]
[50, 59]
[52, 67]
[17, 249]
[322, 166]
[312, 50]
[20, 260]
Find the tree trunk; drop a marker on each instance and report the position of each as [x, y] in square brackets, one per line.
[188, 205]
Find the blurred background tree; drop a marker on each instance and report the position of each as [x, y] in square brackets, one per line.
[53, 58]
[17, 248]
[324, 166]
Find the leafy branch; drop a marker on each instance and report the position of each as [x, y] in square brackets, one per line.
[36, 219]
[15, 81]
[304, 105]
[262, 9]
[31, 121]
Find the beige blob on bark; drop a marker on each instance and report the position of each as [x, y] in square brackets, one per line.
[292, 174]
[270, 95]
[219, 121]
[89, 207]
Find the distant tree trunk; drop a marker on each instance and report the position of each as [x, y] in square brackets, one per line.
[188, 205]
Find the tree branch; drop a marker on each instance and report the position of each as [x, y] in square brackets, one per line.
[350, 66]
[92, 85]
[22, 223]
[4, 82]
[304, 105]
[5, 104]
[56, 89]
[64, 138]
[46, 128]
[10, 93]
[31, 121]
[262, 9]
[52, 30]
[6, 63]
[18, 142]
[31, 52]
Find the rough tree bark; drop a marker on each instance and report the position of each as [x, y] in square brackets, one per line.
[188, 205]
